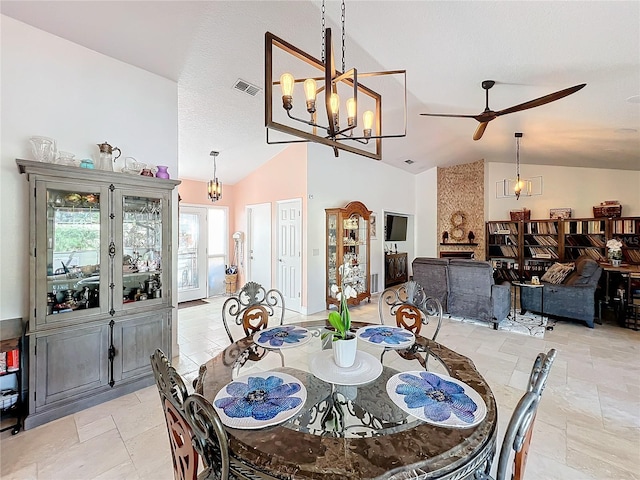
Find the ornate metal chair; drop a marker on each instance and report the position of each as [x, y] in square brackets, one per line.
[252, 308]
[173, 393]
[211, 442]
[517, 437]
[411, 309]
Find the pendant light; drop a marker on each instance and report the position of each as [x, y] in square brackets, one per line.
[214, 187]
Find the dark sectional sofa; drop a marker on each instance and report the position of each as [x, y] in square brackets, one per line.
[464, 287]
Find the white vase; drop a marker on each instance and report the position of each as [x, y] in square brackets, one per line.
[344, 351]
[615, 262]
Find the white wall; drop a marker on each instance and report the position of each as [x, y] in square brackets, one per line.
[334, 182]
[576, 188]
[55, 88]
[426, 200]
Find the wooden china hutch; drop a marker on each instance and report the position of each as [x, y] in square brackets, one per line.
[348, 242]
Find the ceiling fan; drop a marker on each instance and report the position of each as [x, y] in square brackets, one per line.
[485, 117]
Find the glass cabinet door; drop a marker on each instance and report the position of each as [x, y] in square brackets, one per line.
[73, 236]
[360, 266]
[355, 252]
[142, 247]
[332, 260]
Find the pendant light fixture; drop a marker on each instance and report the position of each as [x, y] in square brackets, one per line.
[326, 90]
[214, 187]
[520, 186]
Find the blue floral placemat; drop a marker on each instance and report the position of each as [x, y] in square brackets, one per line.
[260, 400]
[385, 336]
[283, 336]
[437, 399]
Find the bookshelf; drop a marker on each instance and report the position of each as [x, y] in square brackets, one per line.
[520, 249]
[627, 230]
[503, 249]
[587, 236]
[540, 246]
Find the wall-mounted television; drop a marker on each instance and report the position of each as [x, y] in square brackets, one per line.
[395, 228]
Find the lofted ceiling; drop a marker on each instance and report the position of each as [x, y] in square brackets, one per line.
[448, 48]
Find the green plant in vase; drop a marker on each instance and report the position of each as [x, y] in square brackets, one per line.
[341, 321]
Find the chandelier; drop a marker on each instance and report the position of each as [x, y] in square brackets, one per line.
[214, 187]
[325, 88]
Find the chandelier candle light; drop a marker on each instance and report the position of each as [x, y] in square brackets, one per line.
[214, 187]
[324, 79]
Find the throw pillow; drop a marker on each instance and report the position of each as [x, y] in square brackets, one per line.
[557, 273]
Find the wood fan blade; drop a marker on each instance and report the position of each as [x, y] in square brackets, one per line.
[480, 130]
[448, 115]
[552, 97]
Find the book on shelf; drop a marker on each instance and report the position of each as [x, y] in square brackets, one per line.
[626, 226]
[504, 228]
[633, 255]
[587, 226]
[542, 228]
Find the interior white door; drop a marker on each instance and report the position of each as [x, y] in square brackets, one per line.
[289, 270]
[192, 254]
[259, 242]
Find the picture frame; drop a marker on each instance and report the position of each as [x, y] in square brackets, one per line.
[373, 227]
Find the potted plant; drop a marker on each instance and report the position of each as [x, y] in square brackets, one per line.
[344, 342]
[615, 252]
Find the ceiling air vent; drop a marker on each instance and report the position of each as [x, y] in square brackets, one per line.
[246, 87]
[408, 161]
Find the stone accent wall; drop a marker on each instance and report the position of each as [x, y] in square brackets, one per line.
[461, 189]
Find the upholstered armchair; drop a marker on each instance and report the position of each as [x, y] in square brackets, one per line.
[573, 298]
[474, 294]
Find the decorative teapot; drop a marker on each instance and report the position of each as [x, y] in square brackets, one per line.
[106, 159]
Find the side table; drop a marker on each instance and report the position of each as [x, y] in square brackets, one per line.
[520, 286]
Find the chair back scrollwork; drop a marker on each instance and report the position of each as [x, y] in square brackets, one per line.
[173, 393]
[209, 437]
[411, 309]
[252, 308]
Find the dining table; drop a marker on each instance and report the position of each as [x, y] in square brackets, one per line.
[356, 422]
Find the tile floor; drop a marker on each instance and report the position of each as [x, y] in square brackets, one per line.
[587, 428]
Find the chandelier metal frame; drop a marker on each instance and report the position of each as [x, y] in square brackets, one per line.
[332, 134]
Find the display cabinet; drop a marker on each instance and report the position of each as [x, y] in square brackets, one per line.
[348, 243]
[100, 276]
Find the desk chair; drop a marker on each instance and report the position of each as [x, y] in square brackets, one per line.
[173, 393]
[517, 437]
[411, 309]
